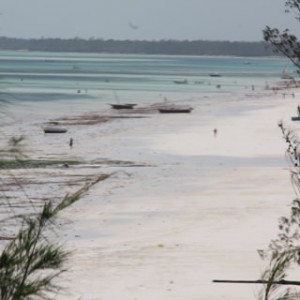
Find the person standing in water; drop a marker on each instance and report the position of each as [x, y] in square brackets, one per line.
[71, 142]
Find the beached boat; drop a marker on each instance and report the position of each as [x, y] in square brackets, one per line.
[175, 109]
[54, 130]
[119, 105]
[181, 81]
[215, 74]
[123, 106]
[295, 118]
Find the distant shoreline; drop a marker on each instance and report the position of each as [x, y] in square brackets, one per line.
[162, 47]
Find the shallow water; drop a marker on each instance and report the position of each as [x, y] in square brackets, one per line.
[45, 77]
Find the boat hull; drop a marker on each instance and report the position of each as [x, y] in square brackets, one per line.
[175, 110]
[122, 106]
[54, 130]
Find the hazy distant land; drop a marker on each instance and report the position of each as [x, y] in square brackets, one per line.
[171, 47]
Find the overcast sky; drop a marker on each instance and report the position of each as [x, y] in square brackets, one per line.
[234, 20]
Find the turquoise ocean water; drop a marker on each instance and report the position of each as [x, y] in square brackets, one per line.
[44, 77]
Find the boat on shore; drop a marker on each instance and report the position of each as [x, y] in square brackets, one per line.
[55, 130]
[119, 105]
[175, 109]
[181, 81]
[123, 106]
[215, 74]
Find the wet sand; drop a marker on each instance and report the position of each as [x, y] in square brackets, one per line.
[192, 208]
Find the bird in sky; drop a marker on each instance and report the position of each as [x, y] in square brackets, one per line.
[133, 26]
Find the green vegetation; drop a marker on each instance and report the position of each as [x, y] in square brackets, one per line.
[284, 251]
[173, 47]
[30, 262]
[286, 42]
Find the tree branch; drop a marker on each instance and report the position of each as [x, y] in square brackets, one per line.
[280, 282]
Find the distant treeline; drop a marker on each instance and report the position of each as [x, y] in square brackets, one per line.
[173, 47]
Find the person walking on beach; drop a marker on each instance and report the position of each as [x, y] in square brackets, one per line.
[215, 132]
[71, 142]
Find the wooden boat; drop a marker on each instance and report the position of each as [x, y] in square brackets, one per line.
[55, 130]
[181, 81]
[118, 105]
[175, 109]
[215, 74]
[123, 106]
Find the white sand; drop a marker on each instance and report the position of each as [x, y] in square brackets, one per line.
[198, 212]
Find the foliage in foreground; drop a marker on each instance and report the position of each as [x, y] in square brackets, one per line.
[284, 41]
[30, 262]
[284, 250]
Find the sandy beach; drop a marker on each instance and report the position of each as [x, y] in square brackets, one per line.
[190, 207]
